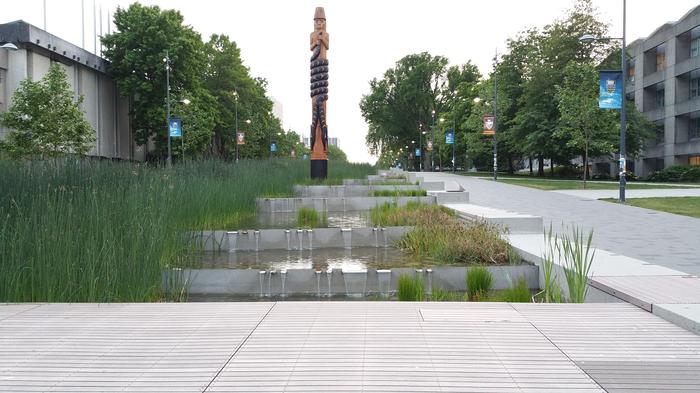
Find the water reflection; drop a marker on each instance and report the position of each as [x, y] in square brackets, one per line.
[349, 219]
[321, 259]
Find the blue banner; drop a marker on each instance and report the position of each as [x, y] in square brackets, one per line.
[610, 90]
[273, 147]
[417, 152]
[450, 137]
[175, 127]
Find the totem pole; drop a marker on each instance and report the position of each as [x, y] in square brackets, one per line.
[319, 96]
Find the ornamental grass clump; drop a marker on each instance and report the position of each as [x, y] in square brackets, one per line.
[410, 288]
[479, 282]
[399, 193]
[518, 293]
[310, 218]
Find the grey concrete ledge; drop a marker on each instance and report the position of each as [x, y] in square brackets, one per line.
[347, 191]
[686, 316]
[446, 197]
[292, 205]
[298, 239]
[309, 282]
[515, 222]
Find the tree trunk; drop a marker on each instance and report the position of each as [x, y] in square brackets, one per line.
[551, 167]
[531, 170]
[585, 165]
[540, 166]
[511, 169]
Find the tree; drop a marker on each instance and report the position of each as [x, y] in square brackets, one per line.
[336, 154]
[398, 107]
[583, 125]
[136, 51]
[547, 52]
[45, 118]
[198, 122]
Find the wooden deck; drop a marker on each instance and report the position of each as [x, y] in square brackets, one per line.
[344, 346]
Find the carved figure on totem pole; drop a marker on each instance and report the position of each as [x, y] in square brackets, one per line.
[319, 96]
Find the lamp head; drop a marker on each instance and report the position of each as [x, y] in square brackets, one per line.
[587, 38]
[9, 46]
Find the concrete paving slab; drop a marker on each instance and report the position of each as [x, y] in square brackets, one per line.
[684, 315]
[515, 222]
[647, 291]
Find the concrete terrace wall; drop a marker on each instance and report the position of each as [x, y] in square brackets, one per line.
[347, 190]
[308, 282]
[292, 205]
[298, 239]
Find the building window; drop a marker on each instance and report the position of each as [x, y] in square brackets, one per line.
[660, 61]
[694, 160]
[695, 47]
[659, 99]
[630, 72]
[694, 128]
[660, 133]
[694, 88]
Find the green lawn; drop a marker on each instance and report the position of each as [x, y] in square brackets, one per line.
[545, 184]
[687, 206]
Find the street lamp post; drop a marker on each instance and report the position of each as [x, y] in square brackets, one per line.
[432, 136]
[166, 60]
[420, 144]
[269, 145]
[495, 120]
[588, 38]
[235, 132]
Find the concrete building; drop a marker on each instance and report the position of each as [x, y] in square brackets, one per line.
[664, 82]
[104, 108]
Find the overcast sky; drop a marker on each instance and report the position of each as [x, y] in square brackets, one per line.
[366, 38]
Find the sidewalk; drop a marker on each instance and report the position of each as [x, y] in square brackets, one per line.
[629, 194]
[664, 239]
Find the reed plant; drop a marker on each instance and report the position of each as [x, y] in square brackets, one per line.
[517, 293]
[100, 231]
[410, 288]
[479, 282]
[310, 218]
[399, 193]
[578, 256]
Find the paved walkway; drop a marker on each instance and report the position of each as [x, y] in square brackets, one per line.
[660, 238]
[662, 192]
[344, 347]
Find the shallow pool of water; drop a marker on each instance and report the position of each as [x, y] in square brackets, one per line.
[329, 258]
[349, 219]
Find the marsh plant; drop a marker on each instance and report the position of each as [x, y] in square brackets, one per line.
[97, 231]
[310, 218]
[479, 282]
[441, 236]
[410, 288]
[551, 291]
[399, 193]
[574, 251]
[517, 293]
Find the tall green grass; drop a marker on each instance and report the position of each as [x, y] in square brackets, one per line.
[479, 283]
[309, 218]
[399, 193]
[97, 231]
[410, 288]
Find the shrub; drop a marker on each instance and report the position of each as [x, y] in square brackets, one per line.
[518, 293]
[410, 288]
[677, 173]
[479, 281]
[441, 295]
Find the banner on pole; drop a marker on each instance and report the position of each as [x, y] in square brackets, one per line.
[489, 125]
[429, 146]
[450, 137]
[175, 127]
[417, 152]
[273, 147]
[240, 138]
[610, 90]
